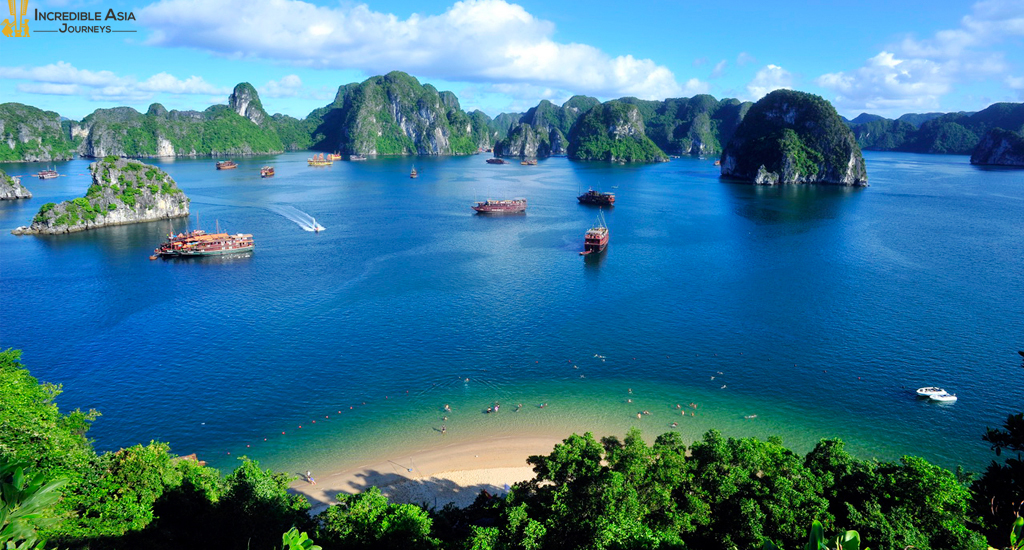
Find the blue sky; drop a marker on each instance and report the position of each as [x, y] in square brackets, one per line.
[887, 58]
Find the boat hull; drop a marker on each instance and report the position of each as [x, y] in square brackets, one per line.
[194, 253]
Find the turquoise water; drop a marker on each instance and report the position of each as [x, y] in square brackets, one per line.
[821, 308]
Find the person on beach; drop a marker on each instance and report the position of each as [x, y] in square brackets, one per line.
[519, 406]
[447, 408]
[444, 430]
[639, 416]
[309, 477]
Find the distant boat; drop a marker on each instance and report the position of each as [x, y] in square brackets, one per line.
[597, 197]
[943, 397]
[319, 160]
[529, 162]
[596, 238]
[267, 172]
[357, 157]
[512, 206]
[47, 174]
[334, 156]
[316, 227]
[227, 165]
[495, 160]
[718, 163]
[414, 174]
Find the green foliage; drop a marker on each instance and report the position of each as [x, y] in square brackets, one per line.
[46, 141]
[26, 503]
[816, 540]
[295, 540]
[999, 490]
[367, 520]
[256, 503]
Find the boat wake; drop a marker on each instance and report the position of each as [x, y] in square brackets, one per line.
[302, 219]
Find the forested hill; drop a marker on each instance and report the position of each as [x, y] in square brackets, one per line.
[950, 133]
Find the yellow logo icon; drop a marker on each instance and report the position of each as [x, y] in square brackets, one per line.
[19, 27]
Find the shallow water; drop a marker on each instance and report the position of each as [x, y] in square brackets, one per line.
[822, 308]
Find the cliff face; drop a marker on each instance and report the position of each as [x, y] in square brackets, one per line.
[613, 131]
[999, 147]
[11, 188]
[395, 115]
[218, 131]
[794, 137]
[31, 134]
[122, 192]
[700, 125]
[542, 130]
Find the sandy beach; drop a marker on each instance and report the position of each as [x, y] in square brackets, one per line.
[436, 475]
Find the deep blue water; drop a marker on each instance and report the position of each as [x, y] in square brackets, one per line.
[823, 308]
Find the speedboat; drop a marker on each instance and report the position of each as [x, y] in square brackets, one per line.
[944, 397]
[930, 391]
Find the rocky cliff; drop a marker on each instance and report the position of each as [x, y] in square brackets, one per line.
[11, 188]
[612, 131]
[1000, 147]
[239, 128]
[122, 192]
[396, 115]
[542, 131]
[794, 137]
[31, 134]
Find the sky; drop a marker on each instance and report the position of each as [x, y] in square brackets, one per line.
[880, 57]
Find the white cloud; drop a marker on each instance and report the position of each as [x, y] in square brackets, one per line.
[62, 78]
[719, 69]
[472, 41]
[768, 79]
[745, 58]
[914, 74]
[288, 86]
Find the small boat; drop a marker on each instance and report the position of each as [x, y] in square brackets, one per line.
[718, 163]
[414, 174]
[930, 391]
[319, 160]
[357, 157]
[495, 160]
[334, 156]
[529, 162]
[267, 172]
[943, 397]
[316, 227]
[227, 165]
[47, 174]
[596, 238]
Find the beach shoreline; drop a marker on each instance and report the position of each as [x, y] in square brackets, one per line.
[436, 475]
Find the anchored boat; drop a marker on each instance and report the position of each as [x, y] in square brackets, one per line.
[596, 238]
[319, 160]
[511, 206]
[597, 197]
[227, 165]
[199, 243]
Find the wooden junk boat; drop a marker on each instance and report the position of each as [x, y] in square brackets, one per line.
[199, 243]
[47, 174]
[319, 160]
[596, 238]
[334, 156]
[597, 197]
[267, 172]
[227, 165]
[511, 206]
[414, 174]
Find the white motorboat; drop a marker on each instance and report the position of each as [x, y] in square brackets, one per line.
[930, 391]
[944, 397]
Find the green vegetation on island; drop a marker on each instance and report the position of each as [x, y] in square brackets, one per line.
[601, 494]
[31, 134]
[612, 131]
[542, 131]
[700, 125]
[122, 191]
[794, 137]
[1000, 148]
[949, 133]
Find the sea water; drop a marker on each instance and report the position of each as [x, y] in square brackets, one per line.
[800, 311]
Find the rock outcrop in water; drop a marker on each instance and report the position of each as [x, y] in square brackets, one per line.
[1000, 147]
[11, 188]
[612, 131]
[33, 135]
[794, 137]
[122, 192]
[396, 115]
